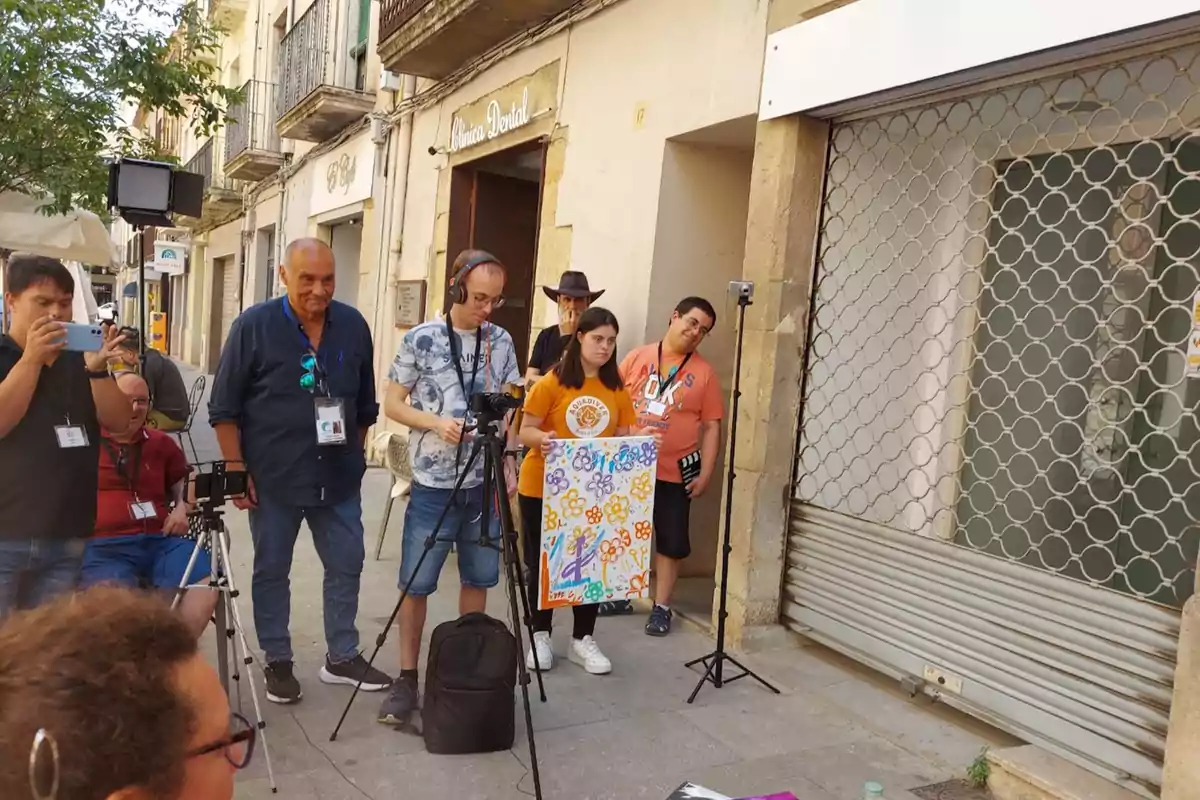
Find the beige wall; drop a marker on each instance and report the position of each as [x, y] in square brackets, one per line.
[632, 77]
[698, 249]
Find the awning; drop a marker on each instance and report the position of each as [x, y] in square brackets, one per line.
[130, 290]
[76, 236]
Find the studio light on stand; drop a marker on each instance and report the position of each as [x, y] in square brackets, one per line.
[714, 662]
[144, 194]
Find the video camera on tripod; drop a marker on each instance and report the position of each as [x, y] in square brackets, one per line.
[489, 407]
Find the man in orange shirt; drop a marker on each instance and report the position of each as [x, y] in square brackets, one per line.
[676, 393]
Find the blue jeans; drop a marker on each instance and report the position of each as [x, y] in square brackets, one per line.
[34, 571]
[337, 533]
[478, 566]
[145, 559]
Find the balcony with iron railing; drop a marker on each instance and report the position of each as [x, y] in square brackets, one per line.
[252, 146]
[222, 194]
[433, 38]
[316, 96]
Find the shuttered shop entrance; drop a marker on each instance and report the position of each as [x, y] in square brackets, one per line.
[998, 471]
[230, 290]
[224, 308]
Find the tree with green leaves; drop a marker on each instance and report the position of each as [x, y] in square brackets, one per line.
[68, 71]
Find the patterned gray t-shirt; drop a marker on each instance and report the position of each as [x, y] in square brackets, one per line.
[423, 365]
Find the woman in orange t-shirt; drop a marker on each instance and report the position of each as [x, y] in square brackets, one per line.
[583, 397]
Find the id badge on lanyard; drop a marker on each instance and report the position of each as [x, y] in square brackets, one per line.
[142, 510]
[331, 420]
[71, 436]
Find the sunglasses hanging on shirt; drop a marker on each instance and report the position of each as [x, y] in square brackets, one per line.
[313, 379]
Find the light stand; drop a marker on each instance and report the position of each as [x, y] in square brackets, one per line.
[714, 662]
[141, 240]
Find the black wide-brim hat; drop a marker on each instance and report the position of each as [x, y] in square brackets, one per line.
[572, 284]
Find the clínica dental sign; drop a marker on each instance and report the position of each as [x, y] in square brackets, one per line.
[507, 109]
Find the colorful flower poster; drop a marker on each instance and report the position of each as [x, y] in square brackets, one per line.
[598, 507]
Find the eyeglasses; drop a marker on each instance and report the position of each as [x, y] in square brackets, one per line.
[312, 377]
[695, 326]
[483, 300]
[238, 745]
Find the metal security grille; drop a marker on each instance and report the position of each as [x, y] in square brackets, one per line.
[998, 467]
[1005, 306]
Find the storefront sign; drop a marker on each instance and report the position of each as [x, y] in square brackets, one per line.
[819, 62]
[170, 258]
[508, 109]
[410, 303]
[343, 176]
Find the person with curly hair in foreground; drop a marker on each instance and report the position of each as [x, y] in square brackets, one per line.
[104, 696]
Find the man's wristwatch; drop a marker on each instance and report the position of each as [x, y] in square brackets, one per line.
[98, 374]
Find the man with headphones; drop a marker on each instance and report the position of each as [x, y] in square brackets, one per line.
[438, 366]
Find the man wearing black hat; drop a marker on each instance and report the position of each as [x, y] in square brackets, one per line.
[573, 296]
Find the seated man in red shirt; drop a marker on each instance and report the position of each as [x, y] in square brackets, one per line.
[141, 535]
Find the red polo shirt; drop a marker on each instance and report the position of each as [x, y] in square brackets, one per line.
[160, 465]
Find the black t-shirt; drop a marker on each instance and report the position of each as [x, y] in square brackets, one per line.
[46, 491]
[167, 389]
[548, 349]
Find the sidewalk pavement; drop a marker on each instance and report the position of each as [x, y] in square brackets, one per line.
[630, 734]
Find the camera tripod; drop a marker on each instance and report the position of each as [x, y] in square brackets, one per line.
[487, 441]
[227, 620]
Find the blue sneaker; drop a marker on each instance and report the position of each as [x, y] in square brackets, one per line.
[659, 623]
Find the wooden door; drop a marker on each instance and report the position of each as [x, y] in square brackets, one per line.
[500, 214]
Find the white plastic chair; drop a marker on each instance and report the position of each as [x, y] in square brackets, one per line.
[397, 462]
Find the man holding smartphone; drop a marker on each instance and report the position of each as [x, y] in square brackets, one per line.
[52, 404]
[676, 394]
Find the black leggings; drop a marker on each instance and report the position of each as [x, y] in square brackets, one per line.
[531, 519]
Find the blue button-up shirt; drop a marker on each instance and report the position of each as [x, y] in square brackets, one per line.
[258, 387]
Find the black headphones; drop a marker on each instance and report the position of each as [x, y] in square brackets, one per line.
[456, 290]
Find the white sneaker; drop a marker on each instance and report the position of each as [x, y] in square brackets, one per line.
[541, 646]
[586, 653]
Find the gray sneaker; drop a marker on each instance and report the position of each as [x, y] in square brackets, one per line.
[401, 702]
[659, 623]
[282, 686]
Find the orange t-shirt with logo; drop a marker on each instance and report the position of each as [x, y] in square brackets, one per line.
[591, 412]
[690, 396]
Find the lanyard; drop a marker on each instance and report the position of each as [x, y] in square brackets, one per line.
[664, 383]
[456, 358]
[306, 343]
[118, 458]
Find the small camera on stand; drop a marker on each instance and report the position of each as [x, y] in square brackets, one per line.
[742, 290]
[213, 484]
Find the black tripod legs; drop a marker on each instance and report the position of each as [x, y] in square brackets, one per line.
[714, 672]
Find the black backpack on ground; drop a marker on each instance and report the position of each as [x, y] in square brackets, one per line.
[470, 687]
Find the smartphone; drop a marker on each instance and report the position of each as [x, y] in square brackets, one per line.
[215, 486]
[83, 337]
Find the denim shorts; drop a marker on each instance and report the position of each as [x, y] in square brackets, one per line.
[145, 559]
[478, 565]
